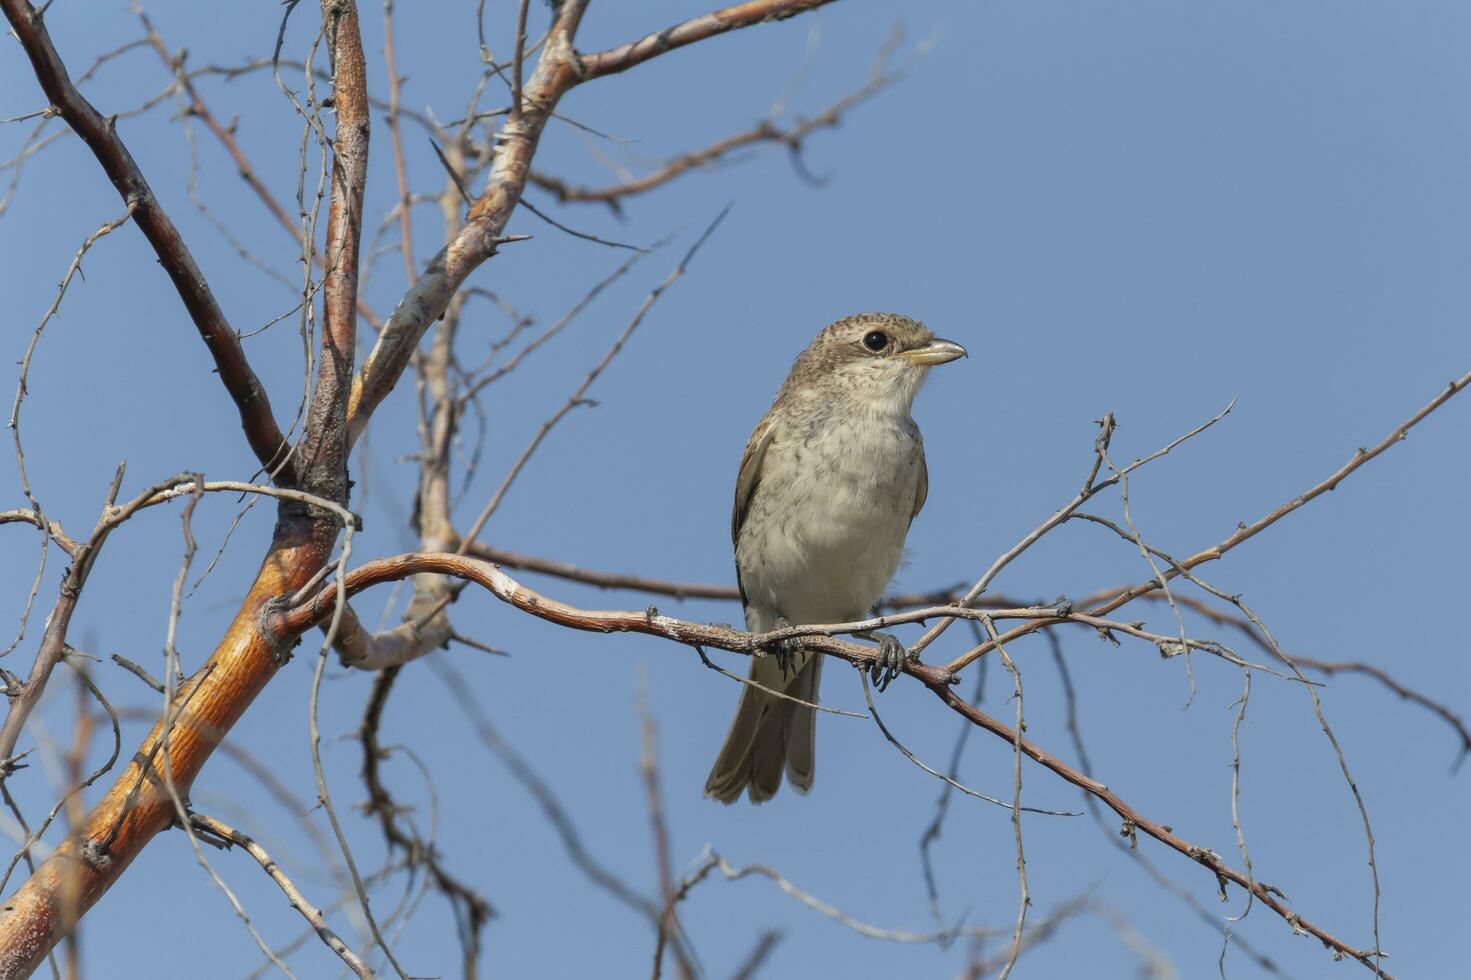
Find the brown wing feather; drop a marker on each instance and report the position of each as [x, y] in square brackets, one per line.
[746, 482]
[750, 474]
[922, 486]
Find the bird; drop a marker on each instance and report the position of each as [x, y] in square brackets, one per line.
[830, 481]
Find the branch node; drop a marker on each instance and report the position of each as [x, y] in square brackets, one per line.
[9, 767]
[280, 647]
[94, 854]
[14, 686]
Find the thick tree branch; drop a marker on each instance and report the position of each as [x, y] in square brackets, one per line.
[138, 806]
[323, 456]
[100, 135]
[688, 590]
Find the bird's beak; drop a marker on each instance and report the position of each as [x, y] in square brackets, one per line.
[937, 351]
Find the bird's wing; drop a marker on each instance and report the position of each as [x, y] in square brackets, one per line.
[746, 481]
[750, 474]
[922, 485]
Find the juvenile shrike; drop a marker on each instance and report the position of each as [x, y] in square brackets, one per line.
[831, 478]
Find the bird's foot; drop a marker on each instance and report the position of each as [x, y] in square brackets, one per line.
[891, 659]
[786, 651]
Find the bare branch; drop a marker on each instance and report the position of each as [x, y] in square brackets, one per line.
[481, 234]
[101, 137]
[323, 456]
[1090, 489]
[650, 623]
[1244, 531]
[471, 909]
[709, 25]
[578, 396]
[310, 912]
[766, 131]
[558, 70]
[53, 528]
[688, 590]
[1264, 893]
[400, 169]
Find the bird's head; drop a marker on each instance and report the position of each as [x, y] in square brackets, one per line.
[880, 359]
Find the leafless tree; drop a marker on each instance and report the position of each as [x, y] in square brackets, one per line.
[307, 578]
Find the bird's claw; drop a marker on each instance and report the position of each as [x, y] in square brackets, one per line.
[785, 651]
[890, 662]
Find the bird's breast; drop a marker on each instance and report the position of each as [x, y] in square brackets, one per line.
[826, 525]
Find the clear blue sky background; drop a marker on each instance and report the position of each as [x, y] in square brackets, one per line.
[1148, 208]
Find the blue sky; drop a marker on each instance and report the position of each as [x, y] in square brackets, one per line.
[1144, 208]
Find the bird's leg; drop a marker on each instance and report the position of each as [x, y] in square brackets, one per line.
[786, 650]
[891, 659]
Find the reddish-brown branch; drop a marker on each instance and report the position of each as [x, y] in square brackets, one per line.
[101, 137]
[138, 806]
[288, 624]
[226, 137]
[324, 450]
[687, 590]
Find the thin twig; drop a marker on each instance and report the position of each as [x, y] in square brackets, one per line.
[1244, 531]
[308, 911]
[578, 396]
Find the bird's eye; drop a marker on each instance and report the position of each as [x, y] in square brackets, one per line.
[875, 340]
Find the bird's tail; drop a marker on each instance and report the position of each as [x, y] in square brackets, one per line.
[770, 734]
